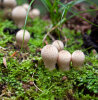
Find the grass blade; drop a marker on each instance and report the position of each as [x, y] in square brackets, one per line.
[26, 22]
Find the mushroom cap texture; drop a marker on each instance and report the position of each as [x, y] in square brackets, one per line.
[78, 58]
[19, 36]
[26, 6]
[34, 12]
[9, 3]
[19, 13]
[58, 44]
[64, 60]
[49, 55]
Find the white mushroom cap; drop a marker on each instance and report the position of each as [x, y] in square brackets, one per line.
[78, 58]
[9, 3]
[19, 37]
[34, 13]
[19, 15]
[26, 6]
[58, 44]
[64, 60]
[49, 55]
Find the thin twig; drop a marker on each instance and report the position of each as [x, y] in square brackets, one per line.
[53, 39]
[2, 95]
[65, 38]
[2, 48]
[36, 85]
[49, 32]
[45, 37]
[53, 28]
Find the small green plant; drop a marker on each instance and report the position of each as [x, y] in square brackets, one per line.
[58, 11]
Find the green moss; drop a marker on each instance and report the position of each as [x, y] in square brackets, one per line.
[19, 73]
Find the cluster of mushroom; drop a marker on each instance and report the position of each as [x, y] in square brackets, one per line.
[54, 53]
[18, 13]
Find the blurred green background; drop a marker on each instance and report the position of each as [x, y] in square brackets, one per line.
[21, 1]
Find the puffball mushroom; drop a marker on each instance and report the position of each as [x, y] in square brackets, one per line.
[19, 15]
[78, 58]
[19, 38]
[26, 6]
[49, 55]
[64, 60]
[9, 3]
[58, 44]
[34, 13]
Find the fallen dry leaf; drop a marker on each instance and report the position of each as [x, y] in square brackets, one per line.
[14, 54]
[4, 62]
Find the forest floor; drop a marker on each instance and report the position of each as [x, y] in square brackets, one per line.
[23, 75]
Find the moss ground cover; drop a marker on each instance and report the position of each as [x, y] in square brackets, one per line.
[25, 77]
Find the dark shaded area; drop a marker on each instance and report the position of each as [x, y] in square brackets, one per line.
[11, 31]
[14, 31]
[32, 35]
[94, 31]
[91, 41]
[88, 43]
[2, 86]
[83, 88]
